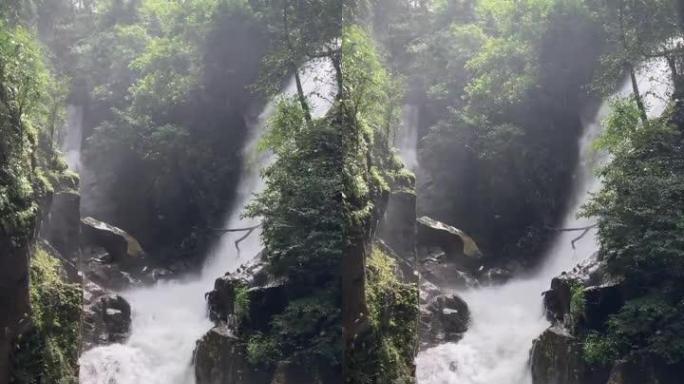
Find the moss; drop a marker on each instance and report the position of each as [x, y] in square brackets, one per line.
[262, 350]
[597, 349]
[577, 301]
[48, 352]
[241, 304]
[389, 348]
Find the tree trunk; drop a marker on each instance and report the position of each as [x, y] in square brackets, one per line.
[293, 66]
[637, 94]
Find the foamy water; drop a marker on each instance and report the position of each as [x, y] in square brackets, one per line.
[507, 318]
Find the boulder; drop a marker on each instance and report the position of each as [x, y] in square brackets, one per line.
[107, 319]
[444, 319]
[557, 299]
[221, 358]
[603, 296]
[456, 244]
[556, 358]
[95, 267]
[438, 269]
[600, 302]
[123, 248]
[266, 296]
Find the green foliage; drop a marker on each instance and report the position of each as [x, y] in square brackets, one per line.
[241, 309]
[598, 350]
[633, 38]
[302, 227]
[640, 228]
[306, 333]
[29, 97]
[262, 350]
[498, 97]
[167, 88]
[577, 302]
[48, 352]
[389, 350]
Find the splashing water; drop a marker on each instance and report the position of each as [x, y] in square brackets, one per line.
[507, 318]
[169, 317]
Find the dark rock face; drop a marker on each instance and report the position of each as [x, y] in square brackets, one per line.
[221, 358]
[107, 319]
[646, 370]
[601, 302]
[61, 227]
[123, 248]
[444, 319]
[265, 296]
[556, 358]
[439, 270]
[398, 226]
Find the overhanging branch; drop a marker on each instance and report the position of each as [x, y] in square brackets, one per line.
[248, 231]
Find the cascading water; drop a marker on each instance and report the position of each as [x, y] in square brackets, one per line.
[406, 137]
[73, 133]
[507, 318]
[169, 317]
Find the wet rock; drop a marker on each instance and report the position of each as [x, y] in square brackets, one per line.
[265, 296]
[444, 319]
[600, 302]
[106, 320]
[428, 291]
[603, 296]
[123, 248]
[96, 267]
[221, 358]
[398, 225]
[435, 267]
[456, 244]
[287, 373]
[645, 370]
[556, 358]
[496, 276]
[61, 226]
[557, 299]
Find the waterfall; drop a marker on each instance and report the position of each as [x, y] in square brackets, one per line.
[72, 136]
[406, 137]
[170, 316]
[507, 318]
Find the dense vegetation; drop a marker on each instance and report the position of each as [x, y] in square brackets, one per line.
[44, 318]
[170, 90]
[167, 101]
[48, 353]
[500, 90]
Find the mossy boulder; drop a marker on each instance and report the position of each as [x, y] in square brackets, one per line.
[557, 358]
[46, 350]
[221, 358]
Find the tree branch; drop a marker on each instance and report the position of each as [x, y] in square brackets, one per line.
[571, 229]
[248, 231]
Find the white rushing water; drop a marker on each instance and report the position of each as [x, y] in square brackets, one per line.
[406, 137]
[72, 135]
[169, 317]
[507, 318]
